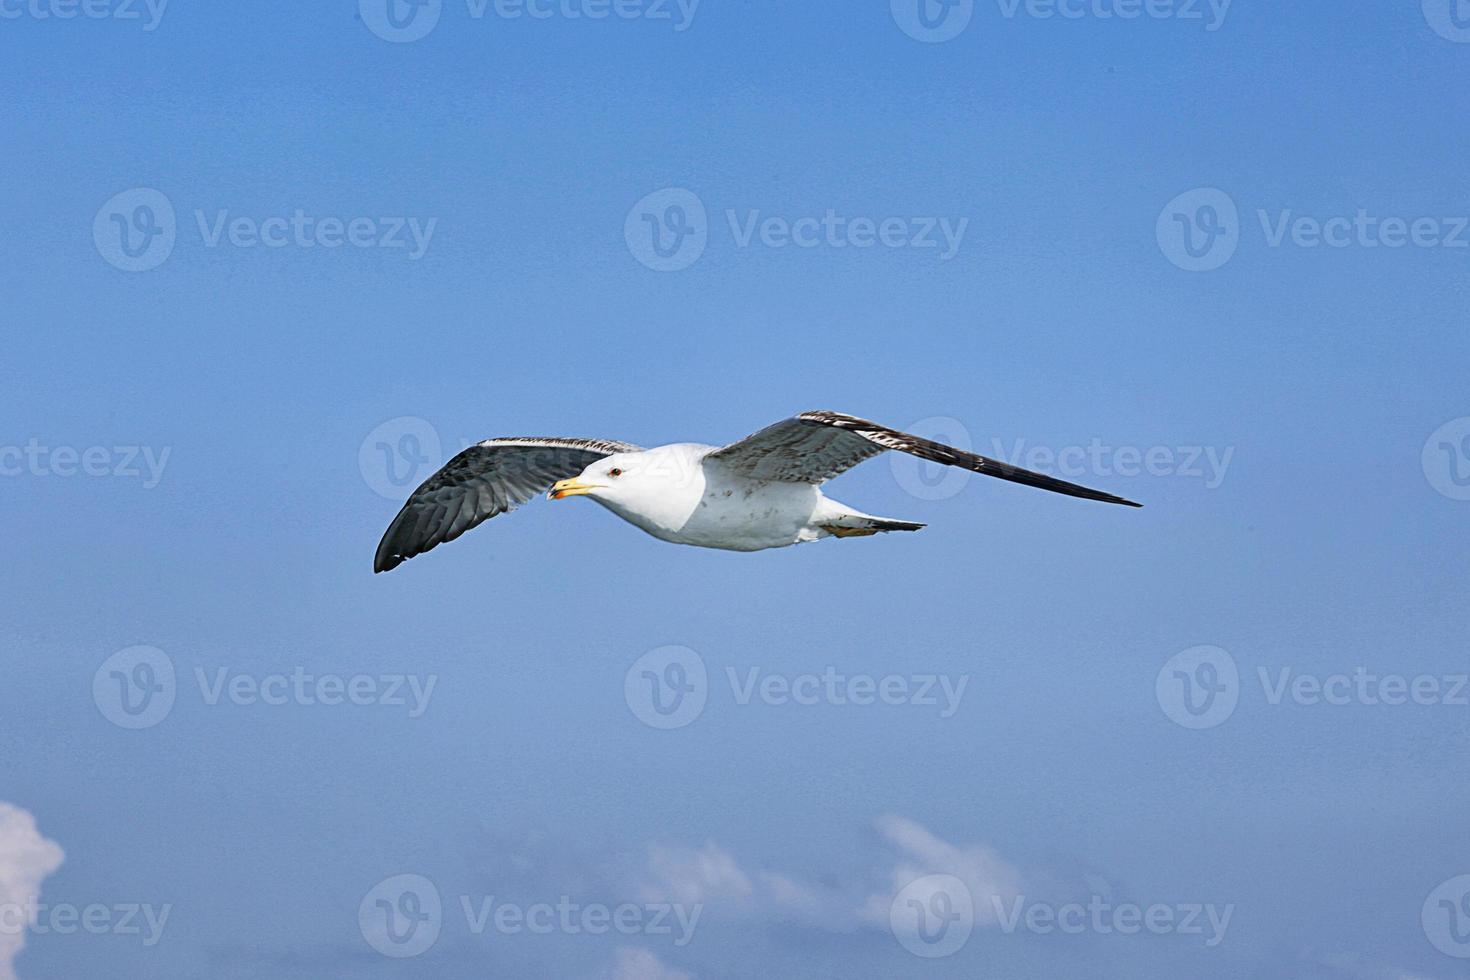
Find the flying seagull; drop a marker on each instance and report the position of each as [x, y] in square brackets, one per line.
[761, 492]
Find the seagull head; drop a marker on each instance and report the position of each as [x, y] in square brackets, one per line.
[656, 484]
[610, 478]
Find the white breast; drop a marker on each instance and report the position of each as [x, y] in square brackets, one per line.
[741, 514]
[697, 501]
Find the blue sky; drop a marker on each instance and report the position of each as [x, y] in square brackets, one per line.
[190, 462]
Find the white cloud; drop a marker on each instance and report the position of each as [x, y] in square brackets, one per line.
[694, 877]
[989, 878]
[711, 876]
[640, 964]
[26, 858]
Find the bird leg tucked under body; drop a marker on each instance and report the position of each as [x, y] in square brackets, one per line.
[838, 531]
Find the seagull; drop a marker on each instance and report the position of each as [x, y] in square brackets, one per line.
[761, 492]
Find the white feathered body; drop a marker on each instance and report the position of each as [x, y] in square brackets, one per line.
[701, 502]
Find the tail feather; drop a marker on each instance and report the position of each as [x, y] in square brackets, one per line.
[855, 525]
[889, 524]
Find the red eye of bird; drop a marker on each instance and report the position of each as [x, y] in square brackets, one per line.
[614, 472]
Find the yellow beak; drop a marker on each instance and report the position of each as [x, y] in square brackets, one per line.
[570, 488]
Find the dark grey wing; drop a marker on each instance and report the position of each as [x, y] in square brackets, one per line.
[797, 450]
[815, 446]
[487, 479]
